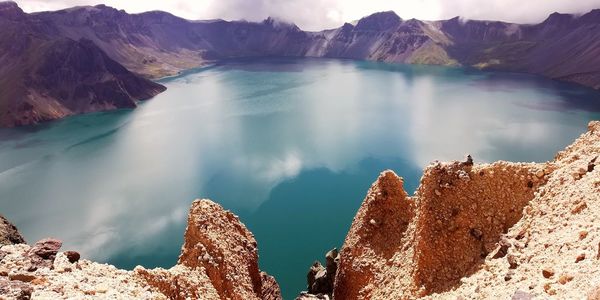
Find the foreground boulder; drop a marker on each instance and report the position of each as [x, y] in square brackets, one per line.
[480, 231]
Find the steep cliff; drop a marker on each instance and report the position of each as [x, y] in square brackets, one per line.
[44, 76]
[480, 231]
[9, 235]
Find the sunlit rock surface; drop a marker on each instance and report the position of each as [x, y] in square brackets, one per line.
[219, 260]
[486, 231]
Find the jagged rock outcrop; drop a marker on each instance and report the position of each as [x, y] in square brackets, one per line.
[320, 279]
[219, 260]
[221, 253]
[377, 232]
[480, 231]
[9, 235]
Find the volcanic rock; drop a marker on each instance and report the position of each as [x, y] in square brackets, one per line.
[456, 230]
[9, 235]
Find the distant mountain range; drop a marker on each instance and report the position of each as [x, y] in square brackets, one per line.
[84, 59]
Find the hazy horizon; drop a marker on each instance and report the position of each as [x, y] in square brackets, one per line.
[324, 14]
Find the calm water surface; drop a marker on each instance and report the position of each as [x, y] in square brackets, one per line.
[290, 145]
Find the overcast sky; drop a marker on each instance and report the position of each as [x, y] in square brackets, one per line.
[321, 14]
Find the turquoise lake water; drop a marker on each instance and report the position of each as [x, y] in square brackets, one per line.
[290, 145]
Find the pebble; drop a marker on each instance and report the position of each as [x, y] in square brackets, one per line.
[548, 272]
[565, 278]
[509, 275]
[580, 257]
[502, 249]
[579, 207]
[549, 290]
[72, 256]
[512, 261]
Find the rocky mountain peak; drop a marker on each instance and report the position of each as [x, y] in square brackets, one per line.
[591, 17]
[8, 4]
[11, 10]
[558, 19]
[280, 24]
[105, 7]
[381, 21]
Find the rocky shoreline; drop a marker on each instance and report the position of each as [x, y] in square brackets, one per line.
[471, 231]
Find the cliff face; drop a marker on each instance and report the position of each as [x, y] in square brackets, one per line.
[480, 231]
[220, 254]
[218, 260]
[9, 235]
[157, 44]
[44, 76]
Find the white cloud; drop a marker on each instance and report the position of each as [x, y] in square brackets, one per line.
[320, 14]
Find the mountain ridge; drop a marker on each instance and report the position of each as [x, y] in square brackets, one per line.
[46, 76]
[158, 44]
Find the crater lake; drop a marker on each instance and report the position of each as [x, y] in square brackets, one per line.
[289, 145]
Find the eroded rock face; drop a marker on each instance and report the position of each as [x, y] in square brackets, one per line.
[432, 240]
[9, 235]
[462, 212]
[377, 233]
[320, 280]
[480, 231]
[220, 253]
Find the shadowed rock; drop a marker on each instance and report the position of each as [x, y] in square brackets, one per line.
[43, 253]
[321, 279]
[9, 235]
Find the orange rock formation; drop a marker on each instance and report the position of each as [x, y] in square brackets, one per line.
[480, 231]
